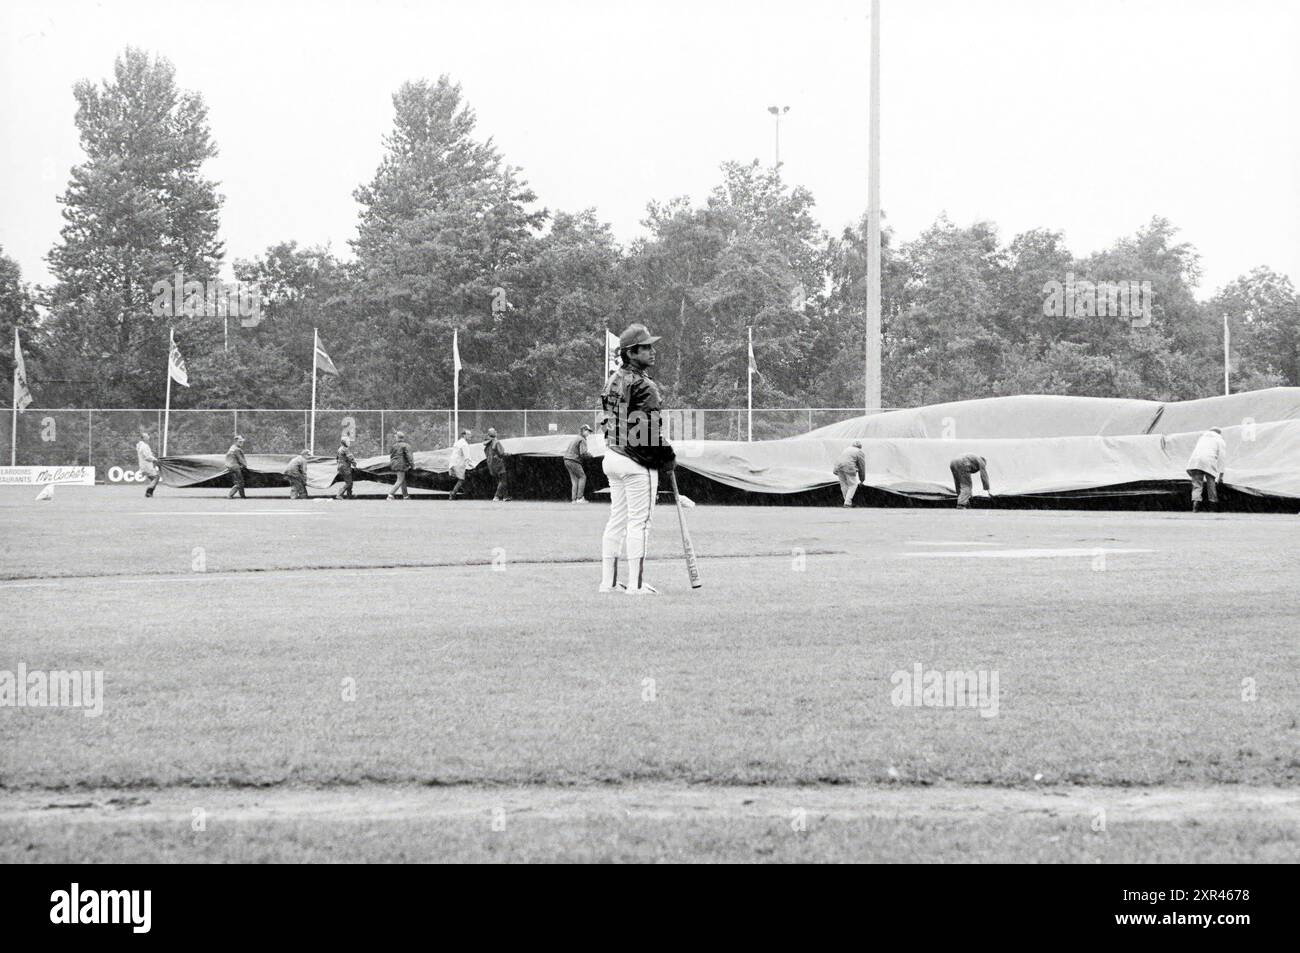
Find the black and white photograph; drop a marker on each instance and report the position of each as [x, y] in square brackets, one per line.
[578, 432]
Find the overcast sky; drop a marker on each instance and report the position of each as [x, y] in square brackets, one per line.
[1084, 117]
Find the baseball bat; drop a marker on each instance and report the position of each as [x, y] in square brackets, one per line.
[692, 564]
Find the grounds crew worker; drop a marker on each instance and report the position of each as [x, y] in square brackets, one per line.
[850, 470]
[496, 461]
[962, 468]
[400, 461]
[346, 461]
[1206, 466]
[636, 452]
[457, 466]
[148, 463]
[575, 455]
[296, 471]
[235, 463]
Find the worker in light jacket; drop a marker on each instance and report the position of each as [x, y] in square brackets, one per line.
[1206, 467]
[851, 469]
[459, 464]
[148, 463]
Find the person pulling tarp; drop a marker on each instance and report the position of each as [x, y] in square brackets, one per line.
[1206, 466]
[962, 469]
[851, 470]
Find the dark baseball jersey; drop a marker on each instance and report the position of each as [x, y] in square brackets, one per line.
[632, 402]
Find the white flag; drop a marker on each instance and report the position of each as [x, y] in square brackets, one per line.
[455, 353]
[753, 365]
[611, 353]
[22, 393]
[176, 364]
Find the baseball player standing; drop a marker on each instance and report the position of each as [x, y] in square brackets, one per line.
[636, 453]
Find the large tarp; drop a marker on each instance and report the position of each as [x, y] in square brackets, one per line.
[1034, 445]
[1037, 415]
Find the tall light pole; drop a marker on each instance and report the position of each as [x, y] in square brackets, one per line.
[871, 396]
[778, 112]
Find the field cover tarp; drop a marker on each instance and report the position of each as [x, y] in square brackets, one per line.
[1050, 416]
[1034, 446]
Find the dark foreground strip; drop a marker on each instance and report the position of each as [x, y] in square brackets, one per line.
[924, 907]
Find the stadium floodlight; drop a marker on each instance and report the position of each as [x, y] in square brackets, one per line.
[778, 112]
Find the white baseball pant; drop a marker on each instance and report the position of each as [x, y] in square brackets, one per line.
[632, 492]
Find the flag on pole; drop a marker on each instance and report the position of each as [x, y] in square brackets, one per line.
[455, 353]
[176, 364]
[611, 353]
[753, 365]
[22, 393]
[323, 362]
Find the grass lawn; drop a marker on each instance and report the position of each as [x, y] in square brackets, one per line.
[363, 643]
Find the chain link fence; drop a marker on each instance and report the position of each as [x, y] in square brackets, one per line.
[106, 439]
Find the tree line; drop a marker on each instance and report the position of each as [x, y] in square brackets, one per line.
[451, 236]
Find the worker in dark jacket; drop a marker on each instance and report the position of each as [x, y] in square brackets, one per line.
[575, 455]
[346, 461]
[400, 461]
[962, 468]
[496, 461]
[235, 463]
[296, 471]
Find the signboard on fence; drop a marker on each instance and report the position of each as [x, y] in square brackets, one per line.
[43, 476]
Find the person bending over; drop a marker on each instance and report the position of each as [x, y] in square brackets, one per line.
[962, 469]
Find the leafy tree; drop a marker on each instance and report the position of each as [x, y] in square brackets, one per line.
[443, 221]
[137, 210]
[17, 309]
[549, 327]
[1263, 311]
[269, 363]
[838, 329]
